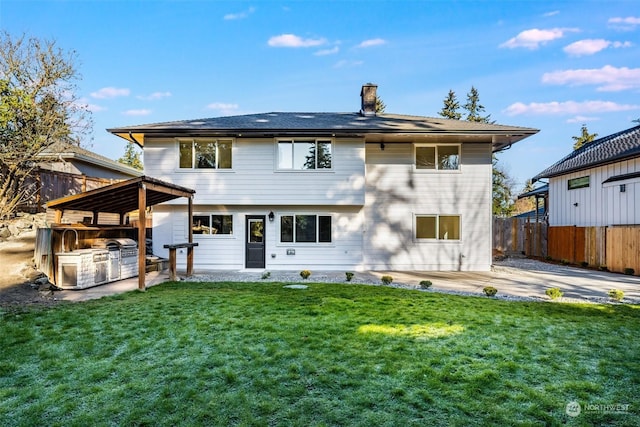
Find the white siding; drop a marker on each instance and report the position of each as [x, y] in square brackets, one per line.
[254, 179]
[599, 204]
[372, 224]
[396, 193]
[227, 252]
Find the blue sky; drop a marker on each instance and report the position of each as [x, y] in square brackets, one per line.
[550, 65]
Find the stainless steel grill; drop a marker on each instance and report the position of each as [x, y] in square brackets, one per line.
[123, 256]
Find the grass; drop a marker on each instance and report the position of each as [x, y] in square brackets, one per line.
[260, 354]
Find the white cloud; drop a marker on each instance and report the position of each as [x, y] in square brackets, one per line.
[591, 46]
[154, 96]
[372, 42]
[532, 39]
[239, 15]
[140, 112]
[110, 92]
[291, 40]
[347, 64]
[95, 108]
[331, 51]
[223, 108]
[607, 78]
[567, 107]
[626, 24]
[582, 119]
[552, 13]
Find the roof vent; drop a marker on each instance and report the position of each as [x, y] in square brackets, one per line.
[368, 99]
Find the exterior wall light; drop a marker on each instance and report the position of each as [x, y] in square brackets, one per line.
[271, 216]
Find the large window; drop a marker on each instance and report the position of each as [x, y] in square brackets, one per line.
[212, 224]
[205, 154]
[305, 229]
[438, 157]
[440, 227]
[581, 182]
[304, 154]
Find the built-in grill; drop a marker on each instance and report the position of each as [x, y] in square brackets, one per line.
[123, 256]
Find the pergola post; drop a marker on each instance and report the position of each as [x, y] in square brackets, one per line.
[142, 235]
[190, 248]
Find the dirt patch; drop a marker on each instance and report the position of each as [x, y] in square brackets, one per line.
[18, 278]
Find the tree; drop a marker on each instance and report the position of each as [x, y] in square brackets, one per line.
[474, 108]
[584, 138]
[526, 204]
[131, 157]
[38, 107]
[502, 190]
[451, 107]
[380, 105]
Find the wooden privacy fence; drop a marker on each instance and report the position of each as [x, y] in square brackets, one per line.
[623, 248]
[520, 236]
[616, 247]
[49, 185]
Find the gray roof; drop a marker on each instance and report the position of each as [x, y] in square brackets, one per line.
[613, 148]
[68, 151]
[282, 123]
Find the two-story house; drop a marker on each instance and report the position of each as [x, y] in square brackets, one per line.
[328, 191]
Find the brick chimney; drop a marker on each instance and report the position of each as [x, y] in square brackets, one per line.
[368, 99]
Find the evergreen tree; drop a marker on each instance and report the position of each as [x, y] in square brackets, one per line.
[131, 157]
[584, 138]
[502, 190]
[380, 105]
[474, 108]
[451, 107]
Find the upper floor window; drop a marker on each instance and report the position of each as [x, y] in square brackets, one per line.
[304, 154]
[581, 182]
[212, 224]
[205, 154]
[438, 157]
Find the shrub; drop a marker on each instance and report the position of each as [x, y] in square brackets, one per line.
[603, 268]
[386, 280]
[305, 274]
[584, 264]
[266, 275]
[553, 293]
[616, 294]
[564, 262]
[629, 271]
[349, 276]
[425, 284]
[489, 291]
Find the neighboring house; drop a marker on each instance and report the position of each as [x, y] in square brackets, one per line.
[65, 169]
[598, 184]
[69, 158]
[328, 191]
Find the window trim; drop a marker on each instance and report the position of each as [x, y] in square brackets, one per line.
[437, 217]
[317, 241]
[417, 145]
[293, 140]
[193, 157]
[578, 182]
[211, 214]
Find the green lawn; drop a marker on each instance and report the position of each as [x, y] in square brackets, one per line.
[260, 354]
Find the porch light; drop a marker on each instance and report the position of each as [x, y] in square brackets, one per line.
[271, 216]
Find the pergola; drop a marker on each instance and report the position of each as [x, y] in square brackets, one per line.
[122, 198]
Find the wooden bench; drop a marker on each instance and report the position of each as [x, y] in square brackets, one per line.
[172, 258]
